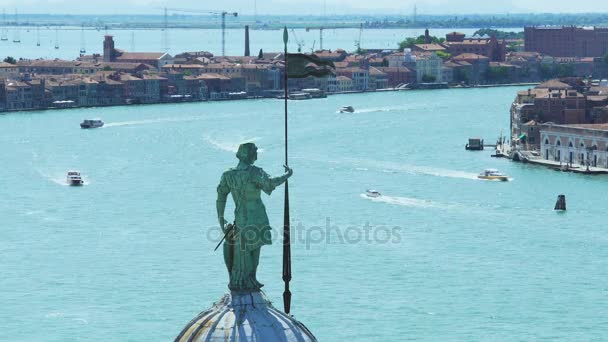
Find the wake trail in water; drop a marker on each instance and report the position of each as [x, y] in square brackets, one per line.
[150, 121]
[60, 179]
[374, 110]
[230, 146]
[388, 167]
[406, 202]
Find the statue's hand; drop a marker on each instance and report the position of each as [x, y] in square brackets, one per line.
[288, 170]
[222, 223]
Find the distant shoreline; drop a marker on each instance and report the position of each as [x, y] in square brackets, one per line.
[269, 98]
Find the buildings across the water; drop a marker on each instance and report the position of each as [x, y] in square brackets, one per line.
[567, 41]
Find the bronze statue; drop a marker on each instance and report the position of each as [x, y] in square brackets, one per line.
[251, 229]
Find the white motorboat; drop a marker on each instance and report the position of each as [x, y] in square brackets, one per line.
[372, 193]
[74, 179]
[91, 123]
[347, 109]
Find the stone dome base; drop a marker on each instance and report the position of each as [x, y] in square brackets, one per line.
[244, 316]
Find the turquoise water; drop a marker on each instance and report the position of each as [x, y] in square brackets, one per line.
[181, 40]
[129, 256]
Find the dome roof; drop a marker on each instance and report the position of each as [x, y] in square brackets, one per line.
[244, 316]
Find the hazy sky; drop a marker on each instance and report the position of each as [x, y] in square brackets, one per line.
[306, 6]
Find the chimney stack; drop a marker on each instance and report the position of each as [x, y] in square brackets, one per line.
[247, 41]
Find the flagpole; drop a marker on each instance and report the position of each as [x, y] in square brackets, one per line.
[286, 223]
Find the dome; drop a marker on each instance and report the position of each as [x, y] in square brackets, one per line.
[244, 316]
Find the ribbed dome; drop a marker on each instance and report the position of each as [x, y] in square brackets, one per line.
[244, 316]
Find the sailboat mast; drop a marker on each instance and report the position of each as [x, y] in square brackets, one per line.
[83, 49]
[17, 37]
[56, 38]
[4, 31]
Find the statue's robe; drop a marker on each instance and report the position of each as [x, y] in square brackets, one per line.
[242, 248]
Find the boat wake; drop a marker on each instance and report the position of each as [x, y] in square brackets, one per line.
[374, 110]
[406, 201]
[150, 121]
[59, 179]
[388, 167]
[230, 146]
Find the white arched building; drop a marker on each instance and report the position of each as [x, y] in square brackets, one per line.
[582, 144]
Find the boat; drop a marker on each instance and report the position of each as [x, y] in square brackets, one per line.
[74, 179]
[347, 109]
[91, 123]
[372, 193]
[475, 144]
[493, 174]
[300, 96]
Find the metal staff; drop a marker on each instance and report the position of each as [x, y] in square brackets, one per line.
[286, 224]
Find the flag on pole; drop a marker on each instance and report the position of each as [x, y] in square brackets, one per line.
[300, 65]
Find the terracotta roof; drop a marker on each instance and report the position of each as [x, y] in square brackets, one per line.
[430, 47]
[599, 127]
[394, 69]
[471, 41]
[140, 55]
[7, 65]
[376, 72]
[183, 66]
[554, 84]
[469, 56]
[211, 76]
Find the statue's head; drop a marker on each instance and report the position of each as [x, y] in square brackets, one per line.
[247, 153]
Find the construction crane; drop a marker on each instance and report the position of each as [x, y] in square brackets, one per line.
[320, 34]
[299, 42]
[223, 14]
[358, 42]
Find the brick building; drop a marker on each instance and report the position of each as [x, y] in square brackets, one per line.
[567, 41]
[492, 48]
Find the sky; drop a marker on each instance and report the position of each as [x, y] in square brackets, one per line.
[306, 7]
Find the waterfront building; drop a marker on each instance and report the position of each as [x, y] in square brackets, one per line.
[378, 79]
[109, 91]
[56, 67]
[429, 68]
[461, 70]
[397, 76]
[582, 144]
[8, 70]
[64, 92]
[344, 83]
[567, 41]
[18, 95]
[479, 65]
[139, 89]
[155, 59]
[219, 86]
[359, 77]
[491, 47]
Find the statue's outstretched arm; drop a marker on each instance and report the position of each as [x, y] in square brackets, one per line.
[222, 195]
[268, 184]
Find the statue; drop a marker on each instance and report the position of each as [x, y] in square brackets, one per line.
[251, 229]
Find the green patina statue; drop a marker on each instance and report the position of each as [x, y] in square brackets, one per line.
[251, 229]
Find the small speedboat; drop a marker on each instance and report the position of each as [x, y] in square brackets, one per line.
[493, 174]
[74, 179]
[91, 123]
[372, 193]
[347, 109]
